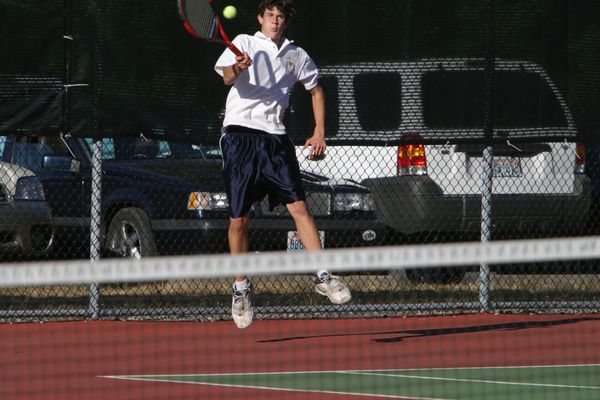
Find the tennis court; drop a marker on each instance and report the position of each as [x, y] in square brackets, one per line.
[436, 357]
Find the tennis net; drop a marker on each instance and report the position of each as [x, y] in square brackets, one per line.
[505, 319]
[539, 274]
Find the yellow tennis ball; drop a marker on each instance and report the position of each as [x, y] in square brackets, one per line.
[229, 12]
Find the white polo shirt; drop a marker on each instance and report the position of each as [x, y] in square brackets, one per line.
[260, 95]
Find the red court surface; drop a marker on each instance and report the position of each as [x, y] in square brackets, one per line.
[67, 360]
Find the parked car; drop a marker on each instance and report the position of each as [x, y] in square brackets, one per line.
[160, 197]
[412, 132]
[25, 217]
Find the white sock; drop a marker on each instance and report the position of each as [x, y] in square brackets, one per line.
[242, 285]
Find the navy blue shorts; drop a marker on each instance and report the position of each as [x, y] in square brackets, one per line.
[257, 164]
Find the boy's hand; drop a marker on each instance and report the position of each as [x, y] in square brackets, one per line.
[317, 146]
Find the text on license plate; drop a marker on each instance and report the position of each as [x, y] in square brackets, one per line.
[506, 167]
[294, 244]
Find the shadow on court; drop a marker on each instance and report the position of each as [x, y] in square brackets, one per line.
[418, 333]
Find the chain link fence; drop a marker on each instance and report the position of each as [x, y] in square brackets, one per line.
[446, 121]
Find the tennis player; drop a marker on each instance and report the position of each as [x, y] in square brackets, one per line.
[259, 158]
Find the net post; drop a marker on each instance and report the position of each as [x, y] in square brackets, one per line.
[95, 228]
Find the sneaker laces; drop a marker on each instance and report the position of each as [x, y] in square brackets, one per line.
[240, 295]
[325, 278]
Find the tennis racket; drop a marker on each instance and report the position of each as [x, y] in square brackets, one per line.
[201, 21]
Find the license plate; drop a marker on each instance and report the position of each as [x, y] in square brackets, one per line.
[294, 244]
[506, 167]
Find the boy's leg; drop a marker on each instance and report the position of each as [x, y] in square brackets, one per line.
[326, 284]
[305, 225]
[241, 304]
[238, 238]
[238, 155]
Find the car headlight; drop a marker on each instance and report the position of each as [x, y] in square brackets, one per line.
[207, 201]
[353, 202]
[29, 188]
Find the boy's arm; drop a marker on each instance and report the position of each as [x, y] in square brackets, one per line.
[231, 72]
[317, 141]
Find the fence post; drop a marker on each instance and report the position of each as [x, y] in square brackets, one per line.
[488, 154]
[486, 227]
[95, 223]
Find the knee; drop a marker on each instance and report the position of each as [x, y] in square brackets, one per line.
[238, 224]
[298, 209]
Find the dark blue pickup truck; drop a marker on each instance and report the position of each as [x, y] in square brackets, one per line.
[160, 197]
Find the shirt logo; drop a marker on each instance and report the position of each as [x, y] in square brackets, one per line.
[290, 64]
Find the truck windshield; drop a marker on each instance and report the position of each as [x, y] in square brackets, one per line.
[128, 148]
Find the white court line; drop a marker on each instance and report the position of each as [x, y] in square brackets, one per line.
[356, 370]
[469, 368]
[437, 378]
[156, 379]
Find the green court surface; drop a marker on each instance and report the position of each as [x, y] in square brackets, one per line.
[529, 382]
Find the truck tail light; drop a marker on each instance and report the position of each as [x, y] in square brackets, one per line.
[411, 156]
[580, 158]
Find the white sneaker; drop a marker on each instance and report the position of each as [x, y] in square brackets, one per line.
[241, 307]
[331, 286]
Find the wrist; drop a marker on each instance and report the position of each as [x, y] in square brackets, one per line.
[319, 133]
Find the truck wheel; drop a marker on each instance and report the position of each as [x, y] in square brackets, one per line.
[130, 235]
[441, 276]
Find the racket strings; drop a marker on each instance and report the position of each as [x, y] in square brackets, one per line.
[201, 18]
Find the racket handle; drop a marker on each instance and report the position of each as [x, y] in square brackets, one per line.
[235, 50]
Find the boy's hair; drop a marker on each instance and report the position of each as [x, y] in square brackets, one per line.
[285, 6]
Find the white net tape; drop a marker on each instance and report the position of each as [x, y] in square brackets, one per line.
[336, 260]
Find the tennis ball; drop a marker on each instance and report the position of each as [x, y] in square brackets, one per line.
[229, 12]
